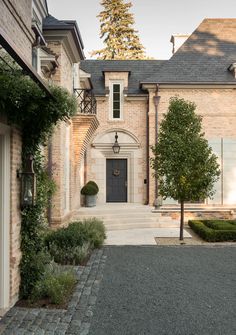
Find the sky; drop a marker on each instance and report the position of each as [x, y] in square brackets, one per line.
[156, 20]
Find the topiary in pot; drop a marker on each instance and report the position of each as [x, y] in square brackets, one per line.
[90, 191]
[93, 184]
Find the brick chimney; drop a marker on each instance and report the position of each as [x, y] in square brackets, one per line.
[177, 40]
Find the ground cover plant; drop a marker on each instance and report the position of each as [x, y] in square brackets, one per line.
[214, 230]
[53, 288]
[73, 244]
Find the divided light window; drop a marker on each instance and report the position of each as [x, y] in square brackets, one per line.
[116, 100]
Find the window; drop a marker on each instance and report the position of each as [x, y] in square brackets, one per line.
[116, 89]
[116, 101]
[35, 58]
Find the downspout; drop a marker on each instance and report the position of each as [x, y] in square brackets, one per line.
[147, 153]
[156, 100]
[49, 209]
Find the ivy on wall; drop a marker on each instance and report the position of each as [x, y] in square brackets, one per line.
[28, 107]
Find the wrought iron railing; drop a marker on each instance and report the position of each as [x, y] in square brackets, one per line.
[86, 101]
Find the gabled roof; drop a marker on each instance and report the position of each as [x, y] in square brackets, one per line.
[51, 23]
[204, 58]
[138, 70]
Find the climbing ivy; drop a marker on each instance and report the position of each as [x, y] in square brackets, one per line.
[28, 107]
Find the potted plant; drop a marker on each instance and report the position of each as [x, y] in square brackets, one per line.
[90, 191]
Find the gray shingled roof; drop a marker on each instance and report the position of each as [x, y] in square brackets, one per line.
[139, 70]
[204, 57]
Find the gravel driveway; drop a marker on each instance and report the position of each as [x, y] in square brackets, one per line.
[167, 290]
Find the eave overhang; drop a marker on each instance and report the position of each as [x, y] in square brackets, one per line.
[69, 26]
[152, 85]
[118, 71]
[12, 50]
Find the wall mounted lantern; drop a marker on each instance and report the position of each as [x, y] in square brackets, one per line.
[28, 184]
[116, 146]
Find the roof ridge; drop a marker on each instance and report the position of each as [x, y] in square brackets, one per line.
[205, 56]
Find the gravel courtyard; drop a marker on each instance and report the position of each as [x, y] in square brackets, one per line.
[167, 290]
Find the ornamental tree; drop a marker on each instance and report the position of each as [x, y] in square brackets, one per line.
[120, 38]
[183, 162]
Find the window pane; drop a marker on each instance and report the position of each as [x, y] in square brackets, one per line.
[116, 114]
[116, 104]
[116, 88]
[116, 96]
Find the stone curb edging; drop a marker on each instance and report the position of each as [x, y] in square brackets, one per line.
[75, 320]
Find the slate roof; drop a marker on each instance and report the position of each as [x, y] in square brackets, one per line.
[204, 57]
[138, 71]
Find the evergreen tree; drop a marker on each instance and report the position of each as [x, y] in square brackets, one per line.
[183, 161]
[120, 39]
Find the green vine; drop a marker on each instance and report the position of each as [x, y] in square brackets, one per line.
[28, 107]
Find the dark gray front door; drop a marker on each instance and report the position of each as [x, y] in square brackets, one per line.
[116, 180]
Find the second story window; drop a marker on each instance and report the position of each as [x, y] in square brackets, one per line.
[35, 58]
[116, 101]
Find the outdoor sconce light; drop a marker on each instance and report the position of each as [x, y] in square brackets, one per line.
[116, 146]
[28, 184]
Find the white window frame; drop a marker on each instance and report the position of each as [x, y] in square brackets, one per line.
[4, 218]
[112, 83]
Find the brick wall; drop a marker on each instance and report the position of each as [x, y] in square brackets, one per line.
[81, 128]
[216, 106]
[16, 22]
[134, 122]
[15, 217]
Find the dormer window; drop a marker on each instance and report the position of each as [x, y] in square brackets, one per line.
[116, 100]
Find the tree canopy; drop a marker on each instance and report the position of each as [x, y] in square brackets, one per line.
[183, 162]
[120, 38]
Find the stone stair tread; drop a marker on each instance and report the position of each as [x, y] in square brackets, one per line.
[127, 216]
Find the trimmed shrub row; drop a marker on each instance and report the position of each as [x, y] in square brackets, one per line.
[214, 230]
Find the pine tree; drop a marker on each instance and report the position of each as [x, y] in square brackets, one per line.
[120, 38]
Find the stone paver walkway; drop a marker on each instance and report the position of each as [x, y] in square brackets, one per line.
[143, 236]
[73, 321]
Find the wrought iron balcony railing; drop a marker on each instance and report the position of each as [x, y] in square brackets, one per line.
[86, 101]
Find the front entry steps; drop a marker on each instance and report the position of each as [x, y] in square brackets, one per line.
[124, 216]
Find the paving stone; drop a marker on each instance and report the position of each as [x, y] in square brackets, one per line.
[39, 332]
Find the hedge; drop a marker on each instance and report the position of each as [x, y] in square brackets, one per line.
[214, 230]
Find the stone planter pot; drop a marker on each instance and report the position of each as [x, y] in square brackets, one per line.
[90, 200]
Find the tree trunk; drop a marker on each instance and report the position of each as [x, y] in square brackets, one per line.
[181, 235]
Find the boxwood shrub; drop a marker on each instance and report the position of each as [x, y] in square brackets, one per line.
[214, 230]
[220, 224]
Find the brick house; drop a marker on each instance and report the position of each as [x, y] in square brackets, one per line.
[132, 97]
[202, 70]
[69, 141]
[18, 34]
[49, 51]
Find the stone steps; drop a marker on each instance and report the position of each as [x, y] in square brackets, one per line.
[127, 216]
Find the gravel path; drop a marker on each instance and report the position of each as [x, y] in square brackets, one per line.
[182, 290]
